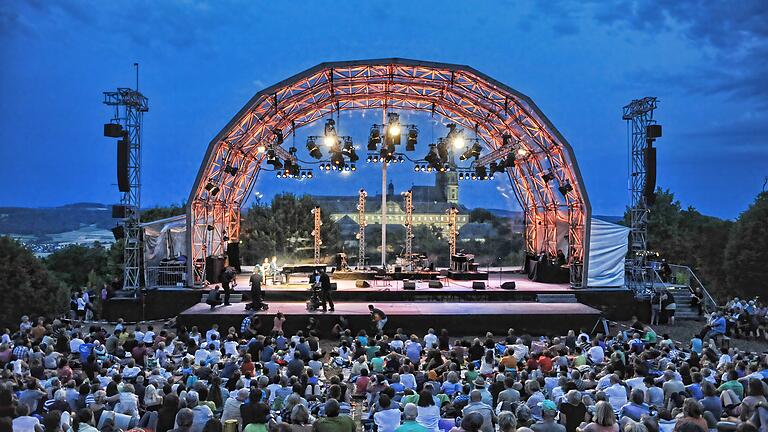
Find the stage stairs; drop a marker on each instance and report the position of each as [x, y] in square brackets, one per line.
[682, 284]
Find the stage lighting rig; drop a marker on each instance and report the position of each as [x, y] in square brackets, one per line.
[410, 142]
[330, 137]
[472, 152]
[548, 176]
[433, 157]
[565, 188]
[272, 158]
[230, 169]
[481, 173]
[374, 138]
[455, 137]
[393, 129]
[313, 148]
[349, 150]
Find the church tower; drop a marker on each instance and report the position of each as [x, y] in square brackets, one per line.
[452, 188]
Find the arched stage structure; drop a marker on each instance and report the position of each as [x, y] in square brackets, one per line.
[547, 182]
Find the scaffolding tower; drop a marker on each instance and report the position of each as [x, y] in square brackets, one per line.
[452, 231]
[408, 200]
[639, 115]
[361, 228]
[129, 107]
[316, 233]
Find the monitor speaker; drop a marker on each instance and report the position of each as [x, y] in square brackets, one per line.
[233, 253]
[409, 285]
[113, 130]
[653, 131]
[119, 212]
[435, 284]
[118, 232]
[478, 285]
[649, 187]
[508, 285]
[362, 284]
[123, 156]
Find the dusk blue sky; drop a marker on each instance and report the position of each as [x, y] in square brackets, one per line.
[581, 61]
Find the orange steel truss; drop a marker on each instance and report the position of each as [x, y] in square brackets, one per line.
[458, 93]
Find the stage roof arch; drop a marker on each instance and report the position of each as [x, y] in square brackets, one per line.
[556, 206]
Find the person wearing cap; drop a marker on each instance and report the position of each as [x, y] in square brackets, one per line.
[476, 405]
[486, 395]
[547, 422]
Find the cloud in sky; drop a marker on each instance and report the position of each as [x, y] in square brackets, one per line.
[201, 60]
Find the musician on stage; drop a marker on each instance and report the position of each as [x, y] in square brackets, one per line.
[273, 269]
[325, 290]
[227, 278]
[379, 317]
[255, 282]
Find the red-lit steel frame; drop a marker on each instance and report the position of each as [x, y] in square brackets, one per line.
[457, 93]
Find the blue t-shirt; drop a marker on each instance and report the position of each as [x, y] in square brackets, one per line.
[696, 345]
[719, 325]
[85, 350]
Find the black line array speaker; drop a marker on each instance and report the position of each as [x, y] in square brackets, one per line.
[123, 158]
[362, 284]
[478, 285]
[510, 285]
[409, 285]
[653, 131]
[435, 284]
[233, 253]
[118, 232]
[113, 130]
[119, 212]
[649, 187]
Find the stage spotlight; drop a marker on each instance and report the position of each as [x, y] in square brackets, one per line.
[565, 188]
[352, 167]
[279, 136]
[337, 160]
[261, 148]
[494, 167]
[349, 150]
[400, 159]
[313, 148]
[209, 227]
[509, 161]
[410, 142]
[474, 176]
[231, 170]
[273, 160]
[461, 176]
[374, 138]
[417, 168]
[433, 158]
[330, 136]
[548, 176]
[472, 151]
[506, 139]
[522, 152]
[309, 174]
[212, 189]
[393, 128]
[481, 173]
[454, 137]
[442, 149]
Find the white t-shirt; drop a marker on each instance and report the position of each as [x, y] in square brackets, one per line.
[430, 341]
[596, 354]
[74, 344]
[149, 337]
[211, 332]
[25, 424]
[230, 347]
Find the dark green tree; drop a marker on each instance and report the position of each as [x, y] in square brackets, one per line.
[157, 213]
[27, 286]
[747, 250]
[73, 264]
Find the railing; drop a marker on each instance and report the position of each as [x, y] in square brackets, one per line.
[685, 276]
[166, 276]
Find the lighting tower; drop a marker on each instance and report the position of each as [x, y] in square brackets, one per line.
[361, 228]
[641, 131]
[408, 198]
[452, 232]
[316, 233]
[129, 107]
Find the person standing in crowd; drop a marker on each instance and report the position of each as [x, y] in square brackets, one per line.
[378, 317]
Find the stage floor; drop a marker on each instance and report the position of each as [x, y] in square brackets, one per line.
[459, 318]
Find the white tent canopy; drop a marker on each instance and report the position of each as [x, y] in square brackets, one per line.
[608, 245]
[164, 239]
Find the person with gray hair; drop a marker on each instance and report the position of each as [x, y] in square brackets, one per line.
[201, 413]
[507, 421]
[476, 405]
[409, 424]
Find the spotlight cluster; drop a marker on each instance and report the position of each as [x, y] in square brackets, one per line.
[334, 167]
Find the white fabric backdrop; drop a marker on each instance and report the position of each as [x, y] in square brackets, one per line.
[608, 245]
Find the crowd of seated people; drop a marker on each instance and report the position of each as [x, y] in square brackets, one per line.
[62, 376]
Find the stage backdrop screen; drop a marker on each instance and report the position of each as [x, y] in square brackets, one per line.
[608, 244]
